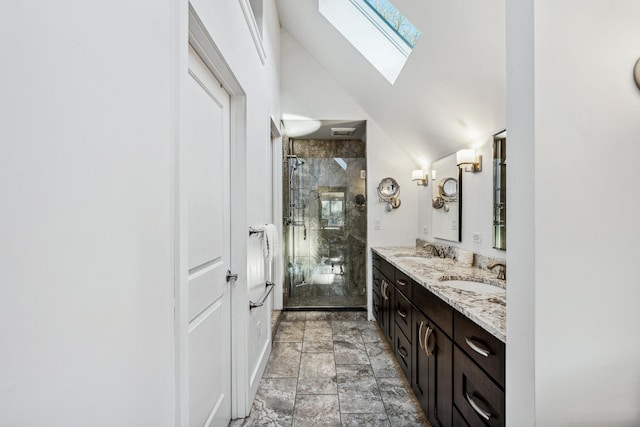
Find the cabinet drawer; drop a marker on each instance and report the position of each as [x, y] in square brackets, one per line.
[376, 280]
[477, 397]
[402, 314]
[402, 350]
[404, 283]
[375, 260]
[388, 270]
[437, 310]
[485, 349]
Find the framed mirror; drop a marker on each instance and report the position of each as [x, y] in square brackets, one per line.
[446, 212]
[500, 190]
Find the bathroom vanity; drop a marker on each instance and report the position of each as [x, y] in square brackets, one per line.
[445, 324]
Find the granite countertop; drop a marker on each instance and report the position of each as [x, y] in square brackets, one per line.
[487, 310]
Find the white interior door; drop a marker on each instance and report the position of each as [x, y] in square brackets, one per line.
[206, 183]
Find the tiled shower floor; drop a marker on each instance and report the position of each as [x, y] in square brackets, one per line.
[332, 369]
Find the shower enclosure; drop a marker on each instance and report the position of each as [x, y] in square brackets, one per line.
[325, 223]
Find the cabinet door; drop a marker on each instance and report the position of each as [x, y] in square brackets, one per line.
[388, 294]
[375, 295]
[432, 370]
[440, 373]
[420, 361]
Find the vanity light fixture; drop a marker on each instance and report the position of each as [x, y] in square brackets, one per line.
[636, 73]
[420, 177]
[468, 159]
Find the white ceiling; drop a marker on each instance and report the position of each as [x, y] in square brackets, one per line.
[451, 91]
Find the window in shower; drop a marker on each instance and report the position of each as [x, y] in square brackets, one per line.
[332, 209]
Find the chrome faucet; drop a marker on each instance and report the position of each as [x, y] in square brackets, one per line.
[502, 269]
[434, 250]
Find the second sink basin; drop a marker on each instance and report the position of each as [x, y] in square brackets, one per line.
[468, 285]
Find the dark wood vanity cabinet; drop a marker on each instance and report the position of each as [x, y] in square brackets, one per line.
[456, 368]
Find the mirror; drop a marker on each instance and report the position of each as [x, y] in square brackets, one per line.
[500, 190]
[448, 188]
[389, 192]
[446, 216]
[388, 188]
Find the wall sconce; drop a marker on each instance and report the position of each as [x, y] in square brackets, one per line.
[467, 158]
[420, 177]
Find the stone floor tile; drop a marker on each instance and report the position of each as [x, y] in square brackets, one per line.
[360, 402]
[317, 385]
[370, 332]
[365, 420]
[317, 365]
[290, 332]
[361, 315]
[289, 316]
[284, 360]
[319, 315]
[316, 410]
[353, 372]
[350, 352]
[317, 346]
[345, 327]
[274, 403]
[344, 315]
[318, 330]
[401, 404]
[382, 360]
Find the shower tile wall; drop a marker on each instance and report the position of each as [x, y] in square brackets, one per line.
[325, 263]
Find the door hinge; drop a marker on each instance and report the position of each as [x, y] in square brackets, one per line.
[231, 277]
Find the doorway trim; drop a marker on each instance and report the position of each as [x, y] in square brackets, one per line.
[202, 42]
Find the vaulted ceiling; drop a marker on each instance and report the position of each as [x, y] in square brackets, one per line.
[451, 91]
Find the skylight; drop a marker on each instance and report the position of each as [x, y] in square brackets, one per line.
[382, 34]
[396, 21]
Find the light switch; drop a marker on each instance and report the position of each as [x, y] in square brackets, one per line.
[476, 237]
[376, 224]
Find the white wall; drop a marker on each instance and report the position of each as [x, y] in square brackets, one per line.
[585, 289]
[308, 91]
[86, 313]
[89, 115]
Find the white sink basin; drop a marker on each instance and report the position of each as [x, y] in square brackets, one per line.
[468, 285]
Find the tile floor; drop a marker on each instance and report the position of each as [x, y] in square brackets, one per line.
[332, 369]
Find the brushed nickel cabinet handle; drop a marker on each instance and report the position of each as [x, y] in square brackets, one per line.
[401, 313]
[484, 414]
[384, 289]
[401, 282]
[403, 352]
[481, 351]
[427, 335]
[420, 335]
